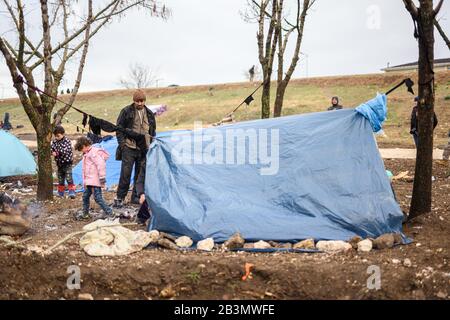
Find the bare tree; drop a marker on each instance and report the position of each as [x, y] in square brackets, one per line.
[267, 39]
[63, 37]
[284, 33]
[273, 37]
[424, 18]
[442, 33]
[139, 76]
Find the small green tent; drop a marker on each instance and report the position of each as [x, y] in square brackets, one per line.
[15, 158]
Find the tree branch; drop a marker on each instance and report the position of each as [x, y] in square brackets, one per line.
[442, 33]
[48, 74]
[63, 110]
[438, 8]
[11, 63]
[411, 7]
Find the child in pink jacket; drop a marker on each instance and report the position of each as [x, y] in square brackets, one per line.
[94, 176]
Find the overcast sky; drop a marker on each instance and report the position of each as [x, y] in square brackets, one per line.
[207, 41]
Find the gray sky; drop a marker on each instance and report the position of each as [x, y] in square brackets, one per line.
[207, 41]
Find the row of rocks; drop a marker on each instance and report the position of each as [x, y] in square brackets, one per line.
[238, 242]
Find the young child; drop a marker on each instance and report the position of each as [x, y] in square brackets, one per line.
[62, 151]
[94, 176]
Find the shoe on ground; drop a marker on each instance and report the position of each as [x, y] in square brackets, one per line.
[83, 216]
[118, 203]
[72, 194]
[105, 216]
[61, 194]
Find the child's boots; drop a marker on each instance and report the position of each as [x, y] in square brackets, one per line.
[61, 191]
[72, 191]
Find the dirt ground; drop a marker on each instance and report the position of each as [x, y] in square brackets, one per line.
[163, 274]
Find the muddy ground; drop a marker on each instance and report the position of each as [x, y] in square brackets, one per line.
[163, 274]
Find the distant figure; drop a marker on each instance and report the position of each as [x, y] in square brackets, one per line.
[335, 104]
[251, 73]
[6, 124]
[415, 121]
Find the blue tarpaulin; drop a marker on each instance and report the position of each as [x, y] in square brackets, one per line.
[15, 158]
[315, 176]
[375, 111]
[112, 166]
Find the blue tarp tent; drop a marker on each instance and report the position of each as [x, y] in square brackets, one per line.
[112, 165]
[15, 158]
[315, 176]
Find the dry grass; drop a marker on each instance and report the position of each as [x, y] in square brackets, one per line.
[210, 103]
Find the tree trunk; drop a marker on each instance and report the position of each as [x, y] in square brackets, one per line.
[281, 90]
[422, 196]
[265, 100]
[45, 171]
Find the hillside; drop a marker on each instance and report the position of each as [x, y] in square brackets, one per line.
[209, 103]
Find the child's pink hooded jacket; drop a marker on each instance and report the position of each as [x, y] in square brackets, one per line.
[94, 166]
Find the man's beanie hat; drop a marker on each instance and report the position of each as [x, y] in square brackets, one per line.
[139, 95]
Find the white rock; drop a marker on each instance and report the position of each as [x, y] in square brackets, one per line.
[395, 261]
[206, 245]
[365, 246]
[184, 242]
[333, 246]
[407, 263]
[85, 296]
[262, 245]
[154, 235]
[305, 244]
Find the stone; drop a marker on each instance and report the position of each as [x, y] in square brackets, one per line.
[385, 241]
[407, 263]
[85, 296]
[274, 244]
[441, 295]
[249, 246]
[305, 244]
[398, 238]
[235, 242]
[167, 244]
[396, 261]
[184, 242]
[167, 236]
[365, 246]
[167, 293]
[286, 245]
[154, 235]
[354, 241]
[206, 245]
[262, 245]
[333, 246]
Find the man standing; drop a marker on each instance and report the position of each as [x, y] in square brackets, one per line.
[335, 104]
[140, 119]
[415, 121]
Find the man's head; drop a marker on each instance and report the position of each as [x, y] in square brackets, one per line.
[59, 132]
[139, 99]
[416, 101]
[83, 144]
[335, 101]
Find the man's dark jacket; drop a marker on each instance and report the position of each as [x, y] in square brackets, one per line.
[126, 119]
